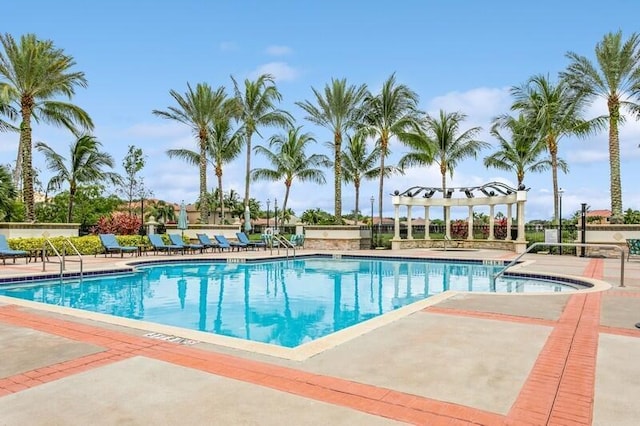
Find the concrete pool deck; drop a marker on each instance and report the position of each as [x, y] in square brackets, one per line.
[467, 359]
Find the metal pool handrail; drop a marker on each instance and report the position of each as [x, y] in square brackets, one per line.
[513, 262]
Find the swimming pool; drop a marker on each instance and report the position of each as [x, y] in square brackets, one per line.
[283, 302]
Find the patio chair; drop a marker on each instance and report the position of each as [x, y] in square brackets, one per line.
[243, 238]
[159, 245]
[8, 252]
[634, 248]
[111, 245]
[226, 244]
[297, 240]
[178, 241]
[207, 243]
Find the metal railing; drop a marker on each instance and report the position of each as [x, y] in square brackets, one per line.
[609, 246]
[282, 241]
[444, 241]
[62, 258]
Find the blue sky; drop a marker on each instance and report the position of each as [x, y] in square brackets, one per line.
[457, 55]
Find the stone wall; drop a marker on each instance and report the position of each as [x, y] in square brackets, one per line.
[38, 230]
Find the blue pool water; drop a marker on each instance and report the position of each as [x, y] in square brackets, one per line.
[284, 303]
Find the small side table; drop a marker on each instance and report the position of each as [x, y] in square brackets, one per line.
[38, 254]
[143, 248]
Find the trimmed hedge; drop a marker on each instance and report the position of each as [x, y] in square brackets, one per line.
[88, 244]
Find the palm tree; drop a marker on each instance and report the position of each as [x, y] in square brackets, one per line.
[36, 72]
[162, 211]
[522, 152]
[358, 164]
[287, 155]
[336, 110]
[8, 194]
[555, 111]
[223, 146]
[199, 109]
[85, 166]
[441, 141]
[256, 107]
[390, 113]
[616, 79]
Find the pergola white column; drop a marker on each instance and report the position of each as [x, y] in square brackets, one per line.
[509, 222]
[427, 223]
[470, 224]
[409, 233]
[520, 209]
[447, 222]
[492, 222]
[396, 234]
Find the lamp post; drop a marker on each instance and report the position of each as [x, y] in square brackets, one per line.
[268, 202]
[560, 192]
[275, 215]
[372, 200]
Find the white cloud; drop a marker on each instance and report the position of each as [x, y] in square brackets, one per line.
[276, 50]
[281, 71]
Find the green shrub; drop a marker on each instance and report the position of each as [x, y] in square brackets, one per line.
[86, 245]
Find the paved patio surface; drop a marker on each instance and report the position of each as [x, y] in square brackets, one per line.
[467, 359]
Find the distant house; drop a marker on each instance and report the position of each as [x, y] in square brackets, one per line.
[598, 217]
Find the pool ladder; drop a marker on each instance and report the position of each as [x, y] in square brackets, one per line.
[62, 258]
[282, 241]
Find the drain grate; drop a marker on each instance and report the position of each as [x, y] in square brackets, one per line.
[170, 338]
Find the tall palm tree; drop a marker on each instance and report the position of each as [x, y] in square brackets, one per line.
[36, 72]
[337, 110]
[287, 154]
[521, 153]
[8, 111]
[556, 111]
[359, 164]
[616, 78]
[392, 112]
[86, 165]
[198, 109]
[223, 146]
[256, 107]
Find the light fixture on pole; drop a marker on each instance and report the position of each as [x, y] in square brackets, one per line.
[372, 200]
[275, 215]
[560, 192]
[268, 202]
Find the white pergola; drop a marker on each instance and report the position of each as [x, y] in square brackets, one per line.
[490, 194]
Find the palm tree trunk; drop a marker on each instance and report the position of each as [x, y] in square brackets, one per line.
[27, 160]
[248, 172]
[72, 196]
[553, 152]
[284, 204]
[443, 173]
[614, 163]
[381, 187]
[356, 184]
[204, 207]
[337, 146]
[219, 174]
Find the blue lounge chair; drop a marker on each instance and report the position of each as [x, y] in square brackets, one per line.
[226, 244]
[8, 252]
[159, 245]
[111, 245]
[207, 243]
[243, 238]
[178, 241]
